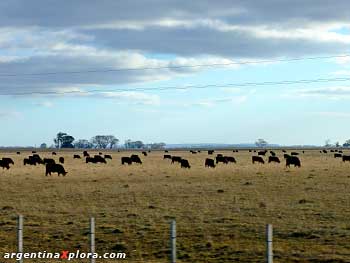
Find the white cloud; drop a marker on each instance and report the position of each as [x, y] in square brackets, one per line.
[132, 97]
[45, 104]
[333, 93]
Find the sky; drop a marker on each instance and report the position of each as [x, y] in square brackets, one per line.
[164, 96]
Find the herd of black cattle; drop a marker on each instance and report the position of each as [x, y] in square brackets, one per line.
[53, 167]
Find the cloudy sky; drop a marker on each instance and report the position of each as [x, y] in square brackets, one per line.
[130, 68]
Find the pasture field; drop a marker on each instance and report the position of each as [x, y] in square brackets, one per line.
[221, 213]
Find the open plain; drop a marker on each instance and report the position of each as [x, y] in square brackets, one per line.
[221, 213]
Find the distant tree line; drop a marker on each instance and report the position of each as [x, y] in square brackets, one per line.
[64, 140]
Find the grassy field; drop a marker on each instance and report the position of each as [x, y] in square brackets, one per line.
[221, 213]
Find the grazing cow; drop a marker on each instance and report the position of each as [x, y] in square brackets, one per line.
[176, 159]
[284, 151]
[199, 151]
[262, 153]
[61, 160]
[294, 160]
[76, 156]
[18, 153]
[135, 159]
[35, 159]
[346, 158]
[86, 154]
[55, 168]
[149, 151]
[285, 156]
[28, 161]
[166, 151]
[99, 159]
[230, 159]
[294, 153]
[185, 164]
[167, 156]
[332, 151]
[8, 160]
[221, 159]
[272, 153]
[126, 160]
[209, 163]
[255, 151]
[303, 151]
[324, 151]
[257, 159]
[219, 155]
[33, 151]
[274, 159]
[193, 152]
[338, 155]
[100, 153]
[107, 156]
[54, 153]
[250, 151]
[48, 160]
[4, 164]
[340, 151]
[144, 153]
[210, 152]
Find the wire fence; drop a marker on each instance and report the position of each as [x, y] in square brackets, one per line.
[173, 242]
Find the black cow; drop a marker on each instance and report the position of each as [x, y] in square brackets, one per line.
[193, 152]
[4, 165]
[338, 155]
[8, 160]
[86, 154]
[61, 160]
[36, 159]
[99, 159]
[285, 156]
[324, 151]
[54, 153]
[294, 153]
[76, 156]
[284, 151]
[28, 161]
[48, 160]
[100, 153]
[262, 153]
[272, 153]
[135, 159]
[126, 160]
[346, 158]
[209, 163]
[185, 164]
[219, 155]
[166, 151]
[144, 153]
[18, 153]
[210, 152]
[221, 159]
[257, 159]
[167, 156]
[294, 160]
[230, 159]
[176, 159]
[107, 156]
[55, 168]
[33, 151]
[274, 159]
[340, 151]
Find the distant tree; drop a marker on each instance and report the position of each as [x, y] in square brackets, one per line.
[327, 143]
[43, 146]
[261, 143]
[83, 144]
[67, 141]
[337, 144]
[59, 138]
[156, 146]
[346, 143]
[134, 144]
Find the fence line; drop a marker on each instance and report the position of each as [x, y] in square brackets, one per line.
[172, 239]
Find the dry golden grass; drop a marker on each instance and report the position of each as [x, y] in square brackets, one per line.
[221, 213]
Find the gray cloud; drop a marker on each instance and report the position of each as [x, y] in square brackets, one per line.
[80, 35]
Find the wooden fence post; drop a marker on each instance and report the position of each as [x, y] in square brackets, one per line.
[20, 236]
[269, 251]
[92, 238]
[173, 241]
